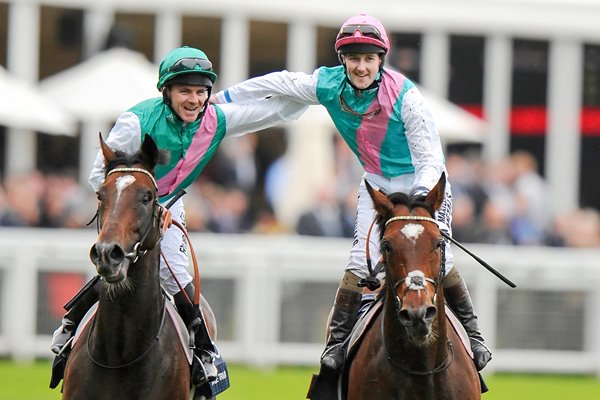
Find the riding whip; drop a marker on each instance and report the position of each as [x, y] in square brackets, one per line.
[480, 261]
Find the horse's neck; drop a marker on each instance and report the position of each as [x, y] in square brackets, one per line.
[401, 349]
[139, 307]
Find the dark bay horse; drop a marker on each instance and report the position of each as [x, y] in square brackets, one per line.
[410, 350]
[130, 349]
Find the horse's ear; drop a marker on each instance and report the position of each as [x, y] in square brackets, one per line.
[383, 206]
[435, 198]
[151, 152]
[107, 152]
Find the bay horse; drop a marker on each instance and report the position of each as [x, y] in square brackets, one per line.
[410, 350]
[131, 348]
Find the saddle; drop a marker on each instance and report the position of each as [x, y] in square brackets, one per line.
[371, 306]
[206, 391]
[371, 309]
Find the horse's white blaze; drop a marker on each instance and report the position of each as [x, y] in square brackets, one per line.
[412, 231]
[122, 182]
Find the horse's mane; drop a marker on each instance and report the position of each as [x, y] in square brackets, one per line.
[138, 158]
[129, 160]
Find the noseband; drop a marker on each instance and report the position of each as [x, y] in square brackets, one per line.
[137, 251]
[416, 280]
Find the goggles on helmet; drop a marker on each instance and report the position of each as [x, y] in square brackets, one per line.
[365, 30]
[190, 64]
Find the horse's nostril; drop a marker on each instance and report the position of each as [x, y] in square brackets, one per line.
[117, 254]
[404, 317]
[107, 253]
[94, 254]
[430, 313]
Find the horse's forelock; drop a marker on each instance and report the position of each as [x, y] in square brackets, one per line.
[404, 200]
[127, 160]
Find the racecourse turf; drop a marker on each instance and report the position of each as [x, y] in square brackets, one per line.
[30, 382]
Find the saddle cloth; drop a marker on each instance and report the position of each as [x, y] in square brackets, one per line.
[172, 313]
[369, 312]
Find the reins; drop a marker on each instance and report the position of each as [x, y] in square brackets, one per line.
[162, 215]
[130, 363]
[196, 299]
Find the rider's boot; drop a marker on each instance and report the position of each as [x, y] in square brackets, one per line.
[458, 299]
[76, 308]
[203, 368]
[343, 317]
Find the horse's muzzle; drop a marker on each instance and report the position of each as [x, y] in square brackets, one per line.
[418, 320]
[110, 261]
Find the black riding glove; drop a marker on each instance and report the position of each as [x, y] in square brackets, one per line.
[418, 193]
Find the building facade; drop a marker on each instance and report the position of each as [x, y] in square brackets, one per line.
[530, 68]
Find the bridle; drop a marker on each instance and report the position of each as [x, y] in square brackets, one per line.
[416, 280]
[157, 216]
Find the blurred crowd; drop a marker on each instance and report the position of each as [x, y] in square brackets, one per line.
[503, 203]
[508, 202]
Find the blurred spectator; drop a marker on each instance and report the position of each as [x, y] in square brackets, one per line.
[64, 203]
[197, 210]
[235, 164]
[464, 219]
[578, 228]
[229, 211]
[531, 213]
[327, 217]
[466, 176]
[502, 203]
[494, 226]
[24, 195]
[276, 177]
[267, 223]
[8, 216]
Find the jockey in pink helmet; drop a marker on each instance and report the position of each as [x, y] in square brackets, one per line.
[388, 125]
[362, 34]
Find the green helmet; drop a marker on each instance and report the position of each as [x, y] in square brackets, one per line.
[186, 65]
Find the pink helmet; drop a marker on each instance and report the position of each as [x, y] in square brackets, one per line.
[362, 34]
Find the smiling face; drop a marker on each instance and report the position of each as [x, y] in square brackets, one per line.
[362, 68]
[188, 100]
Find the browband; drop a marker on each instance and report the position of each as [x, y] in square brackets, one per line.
[133, 169]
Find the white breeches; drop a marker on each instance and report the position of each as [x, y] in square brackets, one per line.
[357, 263]
[174, 247]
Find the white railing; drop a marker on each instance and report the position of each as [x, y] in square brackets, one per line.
[271, 295]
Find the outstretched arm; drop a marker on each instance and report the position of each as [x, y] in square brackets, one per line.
[251, 116]
[296, 86]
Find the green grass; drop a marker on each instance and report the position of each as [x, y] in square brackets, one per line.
[30, 382]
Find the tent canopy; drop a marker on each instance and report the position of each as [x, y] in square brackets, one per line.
[23, 106]
[105, 85]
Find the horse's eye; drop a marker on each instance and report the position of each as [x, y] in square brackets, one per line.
[386, 247]
[147, 198]
[100, 196]
[440, 243]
